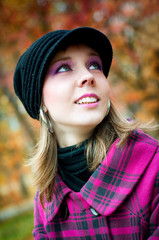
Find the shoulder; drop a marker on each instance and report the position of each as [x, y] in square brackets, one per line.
[143, 143]
[140, 151]
[36, 197]
[140, 136]
[144, 150]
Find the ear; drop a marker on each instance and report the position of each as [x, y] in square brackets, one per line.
[44, 108]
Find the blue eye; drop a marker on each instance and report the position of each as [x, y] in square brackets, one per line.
[63, 68]
[94, 66]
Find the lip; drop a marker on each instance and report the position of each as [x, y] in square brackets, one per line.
[88, 95]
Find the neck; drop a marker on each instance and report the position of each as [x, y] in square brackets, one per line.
[72, 136]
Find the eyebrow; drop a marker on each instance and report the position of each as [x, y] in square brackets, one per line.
[94, 54]
[69, 58]
[61, 59]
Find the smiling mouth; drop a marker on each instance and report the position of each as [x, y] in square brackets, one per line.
[87, 100]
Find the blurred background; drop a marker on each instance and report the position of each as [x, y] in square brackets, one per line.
[133, 28]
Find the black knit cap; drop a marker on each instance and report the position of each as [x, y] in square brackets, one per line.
[33, 65]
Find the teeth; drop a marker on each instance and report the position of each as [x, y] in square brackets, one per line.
[87, 100]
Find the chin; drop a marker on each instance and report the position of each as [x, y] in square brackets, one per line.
[92, 121]
[90, 124]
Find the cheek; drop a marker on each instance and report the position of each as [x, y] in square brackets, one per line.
[49, 93]
[108, 90]
[105, 89]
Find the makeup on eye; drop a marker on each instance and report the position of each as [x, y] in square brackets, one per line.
[95, 63]
[61, 66]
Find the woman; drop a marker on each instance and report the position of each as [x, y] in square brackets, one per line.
[97, 173]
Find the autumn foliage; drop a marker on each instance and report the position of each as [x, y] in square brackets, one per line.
[132, 27]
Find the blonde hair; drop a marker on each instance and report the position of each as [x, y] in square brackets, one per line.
[44, 160]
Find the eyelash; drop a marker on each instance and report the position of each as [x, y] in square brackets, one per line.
[99, 66]
[63, 66]
[69, 68]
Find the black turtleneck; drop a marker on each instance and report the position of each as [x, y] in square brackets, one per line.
[72, 166]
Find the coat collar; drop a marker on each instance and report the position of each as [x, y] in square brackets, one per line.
[119, 173]
[60, 191]
[114, 179]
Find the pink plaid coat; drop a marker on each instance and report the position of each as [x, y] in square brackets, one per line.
[120, 201]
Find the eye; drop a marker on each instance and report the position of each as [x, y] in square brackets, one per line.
[95, 65]
[63, 68]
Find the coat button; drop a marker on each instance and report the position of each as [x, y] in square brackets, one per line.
[94, 212]
[64, 212]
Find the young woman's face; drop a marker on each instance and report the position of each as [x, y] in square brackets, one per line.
[75, 90]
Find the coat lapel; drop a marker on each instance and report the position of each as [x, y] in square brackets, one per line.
[60, 191]
[116, 177]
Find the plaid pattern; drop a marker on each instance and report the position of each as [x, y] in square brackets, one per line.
[123, 191]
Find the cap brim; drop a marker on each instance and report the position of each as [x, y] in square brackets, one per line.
[91, 37]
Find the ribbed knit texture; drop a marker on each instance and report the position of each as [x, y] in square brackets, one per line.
[72, 166]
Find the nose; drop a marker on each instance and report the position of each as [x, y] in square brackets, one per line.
[86, 78]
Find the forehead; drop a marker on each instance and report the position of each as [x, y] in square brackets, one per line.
[75, 48]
